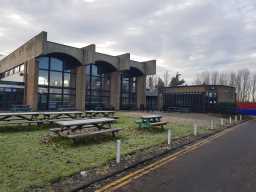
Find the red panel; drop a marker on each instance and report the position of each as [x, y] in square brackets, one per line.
[246, 105]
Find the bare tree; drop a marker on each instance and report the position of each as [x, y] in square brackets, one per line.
[205, 77]
[214, 78]
[245, 85]
[232, 79]
[253, 86]
[223, 78]
[198, 81]
[166, 78]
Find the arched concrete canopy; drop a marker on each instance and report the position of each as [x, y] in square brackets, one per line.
[134, 72]
[69, 58]
[138, 66]
[64, 49]
[114, 61]
[105, 66]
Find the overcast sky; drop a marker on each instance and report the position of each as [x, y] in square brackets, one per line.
[186, 36]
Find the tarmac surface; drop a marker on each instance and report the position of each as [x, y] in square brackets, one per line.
[227, 164]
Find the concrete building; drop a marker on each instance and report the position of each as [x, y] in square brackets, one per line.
[198, 98]
[56, 75]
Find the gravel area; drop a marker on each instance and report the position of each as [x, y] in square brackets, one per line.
[201, 119]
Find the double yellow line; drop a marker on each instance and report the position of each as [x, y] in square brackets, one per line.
[143, 171]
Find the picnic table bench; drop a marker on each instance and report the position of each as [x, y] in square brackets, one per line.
[69, 129]
[37, 117]
[94, 113]
[151, 121]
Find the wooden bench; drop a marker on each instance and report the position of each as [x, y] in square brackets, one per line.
[159, 124]
[82, 135]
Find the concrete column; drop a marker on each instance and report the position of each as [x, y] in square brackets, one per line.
[141, 91]
[80, 88]
[115, 89]
[31, 83]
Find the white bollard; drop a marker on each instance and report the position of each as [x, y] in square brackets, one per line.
[236, 118]
[222, 122]
[212, 126]
[169, 137]
[195, 129]
[230, 120]
[241, 117]
[118, 151]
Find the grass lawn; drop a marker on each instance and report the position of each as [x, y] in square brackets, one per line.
[25, 161]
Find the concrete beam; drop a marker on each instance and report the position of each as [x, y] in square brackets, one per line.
[150, 67]
[141, 91]
[80, 88]
[89, 54]
[124, 62]
[31, 83]
[115, 90]
[31, 49]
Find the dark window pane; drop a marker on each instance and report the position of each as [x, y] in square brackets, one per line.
[56, 79]
[56, 91]
[69, 100]
[43, 62]
[43, 77]
[94, 70]
[56, 64]
[54, 101]
[69, 91]
[67, 67]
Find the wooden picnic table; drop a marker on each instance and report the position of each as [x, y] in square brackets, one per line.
[152, 118]
[148, 121]
[38, 116]
[68, 128]
[100, 123]
[51, 115]
[94, 113]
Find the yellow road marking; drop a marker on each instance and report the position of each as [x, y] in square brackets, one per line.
[143, 171]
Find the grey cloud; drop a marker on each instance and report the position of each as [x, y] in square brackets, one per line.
[188, 36]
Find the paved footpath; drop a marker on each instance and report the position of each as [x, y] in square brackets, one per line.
[227, 164]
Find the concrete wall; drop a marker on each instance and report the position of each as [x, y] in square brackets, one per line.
[186, 89]
[80, 88]
[226, 94]
[141, 91]
[33, 48]
[115, 90]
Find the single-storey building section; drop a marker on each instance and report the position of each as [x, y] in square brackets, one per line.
[198, 98]
[56, 75]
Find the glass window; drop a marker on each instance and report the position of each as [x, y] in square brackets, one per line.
[97, 88]
[66, 80]
[57, 83]
[67, 67]
[69, 91]
[56, 64]
[57, 91]
[43, 77]
[43, 63]
[22, 68]
[55, 79]
[17, 69]
[42, 90]
[128, 91]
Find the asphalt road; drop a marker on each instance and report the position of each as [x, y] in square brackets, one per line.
[227, 164]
